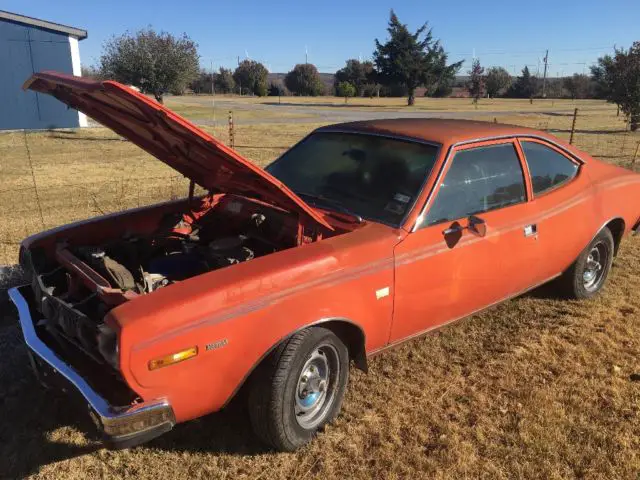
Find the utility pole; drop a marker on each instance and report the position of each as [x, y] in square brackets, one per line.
[239, 83]
[544, 77]
[213, 92]
[212, 77]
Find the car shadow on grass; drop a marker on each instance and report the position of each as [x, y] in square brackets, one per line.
[31, 416]
[548, 291]
[42, 426]
[228, 431]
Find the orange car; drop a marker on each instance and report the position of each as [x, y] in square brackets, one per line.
[361, 236]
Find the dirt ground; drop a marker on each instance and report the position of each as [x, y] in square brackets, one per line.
[535, 388]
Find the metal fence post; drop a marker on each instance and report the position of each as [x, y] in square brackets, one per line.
[573, 126]
[33, 177]
[232, 140]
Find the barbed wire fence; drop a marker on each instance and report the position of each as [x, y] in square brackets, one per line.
[53, 178]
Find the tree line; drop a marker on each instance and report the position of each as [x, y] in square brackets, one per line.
[615, 78]
[160, 63]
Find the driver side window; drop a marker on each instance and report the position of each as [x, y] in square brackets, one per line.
[479, 180]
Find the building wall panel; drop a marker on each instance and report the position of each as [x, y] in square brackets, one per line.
[24, 50]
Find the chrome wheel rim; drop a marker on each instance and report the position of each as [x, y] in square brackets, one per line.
[595, 267]
[316, 386]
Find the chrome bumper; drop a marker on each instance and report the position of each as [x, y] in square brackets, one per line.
[122, 427]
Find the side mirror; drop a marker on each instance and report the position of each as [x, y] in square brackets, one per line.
[477, 226]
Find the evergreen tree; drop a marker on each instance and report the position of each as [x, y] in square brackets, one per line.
[525, 85]
[476, 84]
[411, 59]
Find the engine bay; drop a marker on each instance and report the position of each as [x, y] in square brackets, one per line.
[89, 276]
[142, 264]
[80, 274]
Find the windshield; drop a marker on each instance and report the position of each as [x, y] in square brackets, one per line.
[375, 177]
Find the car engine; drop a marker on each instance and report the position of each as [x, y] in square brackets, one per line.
[142, 264]
[77, 283]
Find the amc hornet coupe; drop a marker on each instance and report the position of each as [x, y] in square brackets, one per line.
[361, 236]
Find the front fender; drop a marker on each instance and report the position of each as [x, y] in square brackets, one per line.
[271, 300]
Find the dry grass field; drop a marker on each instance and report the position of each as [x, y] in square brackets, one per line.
[535, 388]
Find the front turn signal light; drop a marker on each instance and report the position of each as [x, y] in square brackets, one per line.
[173, 358]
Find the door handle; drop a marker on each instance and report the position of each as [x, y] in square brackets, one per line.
[530, 230]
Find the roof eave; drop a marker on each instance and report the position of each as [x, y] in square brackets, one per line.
[36, 22]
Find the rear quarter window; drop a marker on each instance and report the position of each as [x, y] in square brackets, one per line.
[548, 168]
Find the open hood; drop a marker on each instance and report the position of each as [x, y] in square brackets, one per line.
[170, 138]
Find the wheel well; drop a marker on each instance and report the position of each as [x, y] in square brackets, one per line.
[353, 337]
[616, 226]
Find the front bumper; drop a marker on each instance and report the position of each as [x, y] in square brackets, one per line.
[121, 427]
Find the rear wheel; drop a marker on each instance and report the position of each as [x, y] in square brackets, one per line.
[299, 388]
[587, 276]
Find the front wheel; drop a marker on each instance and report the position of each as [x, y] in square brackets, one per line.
[299, 388]
[587, 276]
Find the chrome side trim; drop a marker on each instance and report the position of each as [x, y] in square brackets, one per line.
[431, 195]
[525, 135]
[101, 407]
[602, 227]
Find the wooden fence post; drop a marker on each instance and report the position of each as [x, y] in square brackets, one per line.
[573, 126]
[232, 140]
[635, 156]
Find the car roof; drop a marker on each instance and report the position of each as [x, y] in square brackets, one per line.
[437, 130]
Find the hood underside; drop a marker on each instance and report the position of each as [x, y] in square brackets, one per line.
[170, 138]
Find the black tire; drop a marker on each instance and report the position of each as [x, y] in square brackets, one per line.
[574, 282]
[274, 391]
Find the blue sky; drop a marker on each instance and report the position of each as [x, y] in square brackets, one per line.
[277, 32]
